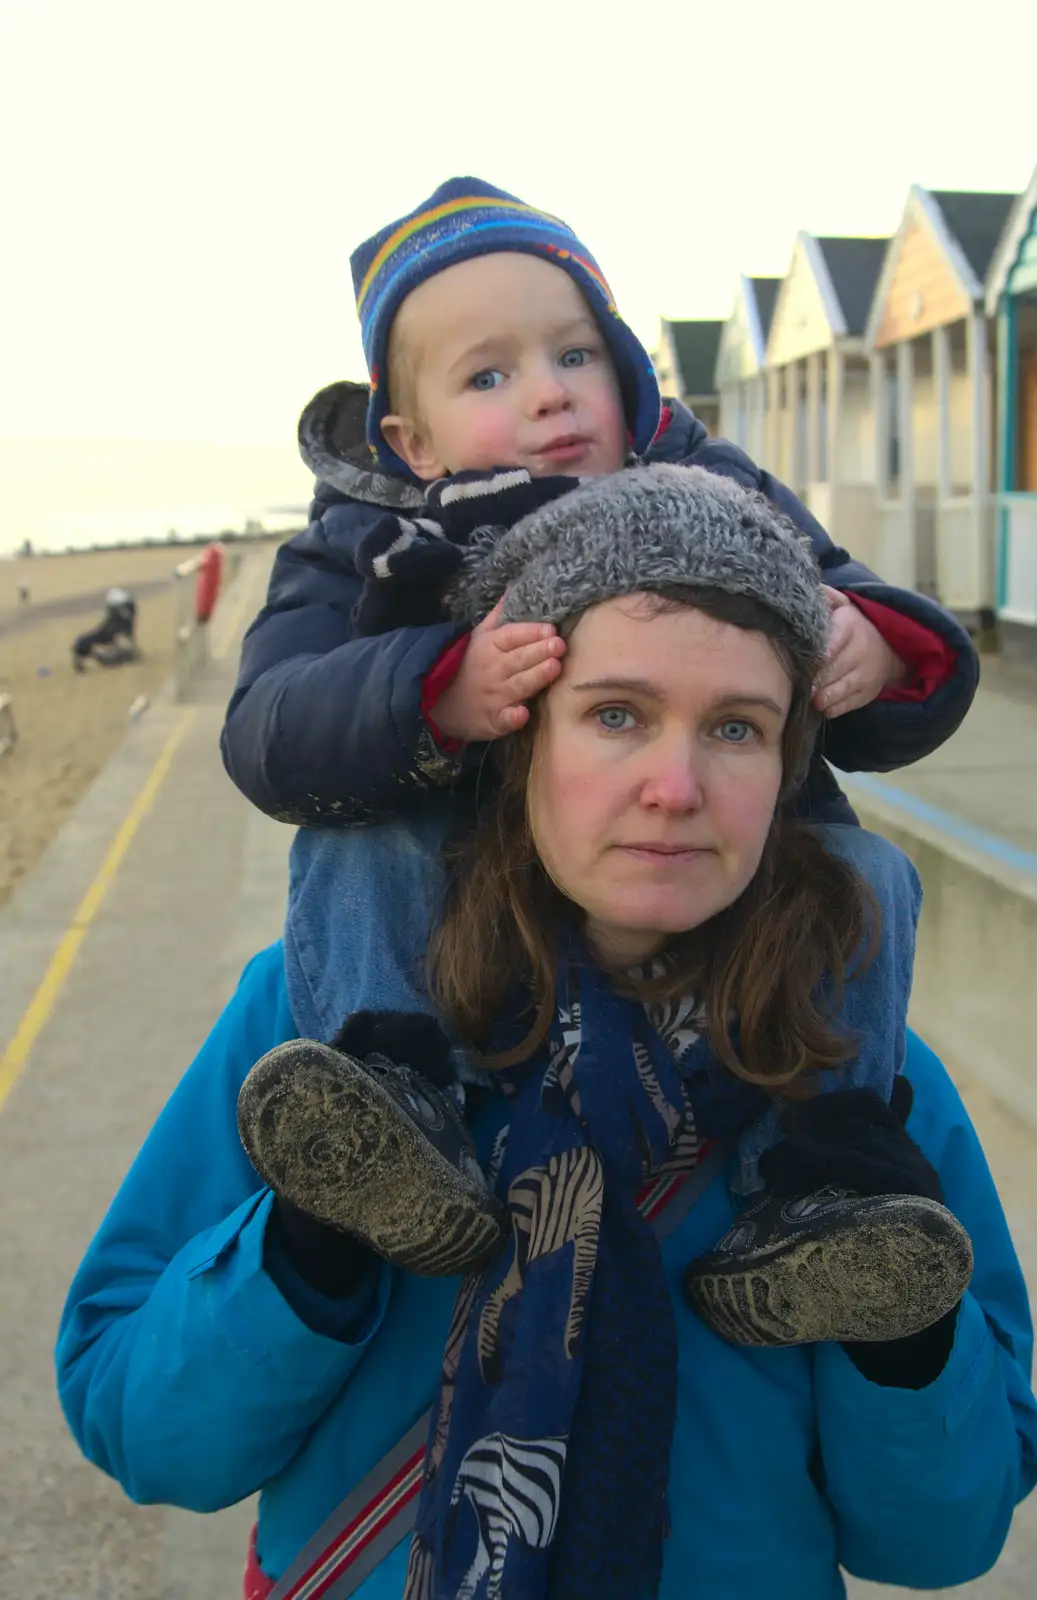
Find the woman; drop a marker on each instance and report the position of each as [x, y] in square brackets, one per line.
[589, 1434]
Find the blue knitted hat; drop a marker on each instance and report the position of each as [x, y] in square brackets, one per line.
[464, 218]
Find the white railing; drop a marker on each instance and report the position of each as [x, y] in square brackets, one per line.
[1017, 569]
[191, 639]
[926, 575]
[847, 513]
[965, 553]
[905, 543]
[895, 549]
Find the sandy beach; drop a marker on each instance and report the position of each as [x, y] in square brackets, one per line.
[69, 723]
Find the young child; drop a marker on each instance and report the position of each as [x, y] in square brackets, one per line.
[493, 343]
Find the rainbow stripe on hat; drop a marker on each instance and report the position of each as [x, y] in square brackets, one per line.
[455, 208]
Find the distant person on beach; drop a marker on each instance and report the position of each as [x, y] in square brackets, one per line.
[113, 642]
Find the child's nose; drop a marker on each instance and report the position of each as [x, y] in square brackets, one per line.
[548, 392]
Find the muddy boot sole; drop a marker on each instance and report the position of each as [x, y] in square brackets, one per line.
[898, 1266]
[322, 1132]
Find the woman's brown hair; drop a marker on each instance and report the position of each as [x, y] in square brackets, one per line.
[773, 964]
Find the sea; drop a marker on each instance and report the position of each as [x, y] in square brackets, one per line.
[74, 494]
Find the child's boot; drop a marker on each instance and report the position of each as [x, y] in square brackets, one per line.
[878, 1260]
[371, 1145]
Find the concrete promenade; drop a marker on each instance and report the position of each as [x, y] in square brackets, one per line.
[985, 777]
[117, 955]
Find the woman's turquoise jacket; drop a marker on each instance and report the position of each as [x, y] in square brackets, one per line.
[185, 1374]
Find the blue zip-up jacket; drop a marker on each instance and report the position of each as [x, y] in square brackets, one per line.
[185, 1374]
[325, 728]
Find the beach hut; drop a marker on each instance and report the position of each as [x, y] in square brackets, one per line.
[931, 387]
[819, 427]
[685, 362]
[1012, 299]
[739, 377]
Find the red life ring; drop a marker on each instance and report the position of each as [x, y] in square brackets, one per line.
[207, 583]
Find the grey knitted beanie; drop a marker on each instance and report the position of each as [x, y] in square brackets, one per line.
[647, 528]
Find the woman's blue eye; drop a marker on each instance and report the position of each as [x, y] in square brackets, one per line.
[735, 731]
[488, 379]
[575, 358]
[616, 719]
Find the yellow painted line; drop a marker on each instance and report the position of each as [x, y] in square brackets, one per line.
[43, 1001]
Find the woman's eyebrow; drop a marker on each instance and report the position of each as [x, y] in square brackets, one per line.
[727, 701]
[651, 691]
[622, 686]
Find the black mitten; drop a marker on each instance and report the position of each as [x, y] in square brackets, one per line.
[408, 1038]
[330, 1261]
[852, 1140]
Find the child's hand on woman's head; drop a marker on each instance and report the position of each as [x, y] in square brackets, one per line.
[859, 663]
[505, 665]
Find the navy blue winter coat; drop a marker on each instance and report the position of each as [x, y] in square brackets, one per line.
[326, 728]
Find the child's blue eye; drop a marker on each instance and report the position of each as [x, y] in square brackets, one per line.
[615, 719]
[488, 379]
[577, 357]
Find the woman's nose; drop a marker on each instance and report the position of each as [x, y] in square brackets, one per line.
[675, 781]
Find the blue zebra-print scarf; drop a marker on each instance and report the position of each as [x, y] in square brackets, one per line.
[548, 1461]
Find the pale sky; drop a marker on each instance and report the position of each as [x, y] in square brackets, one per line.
[183, 183]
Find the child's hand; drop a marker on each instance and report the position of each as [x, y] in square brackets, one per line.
[504, 666]
[859, 664]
